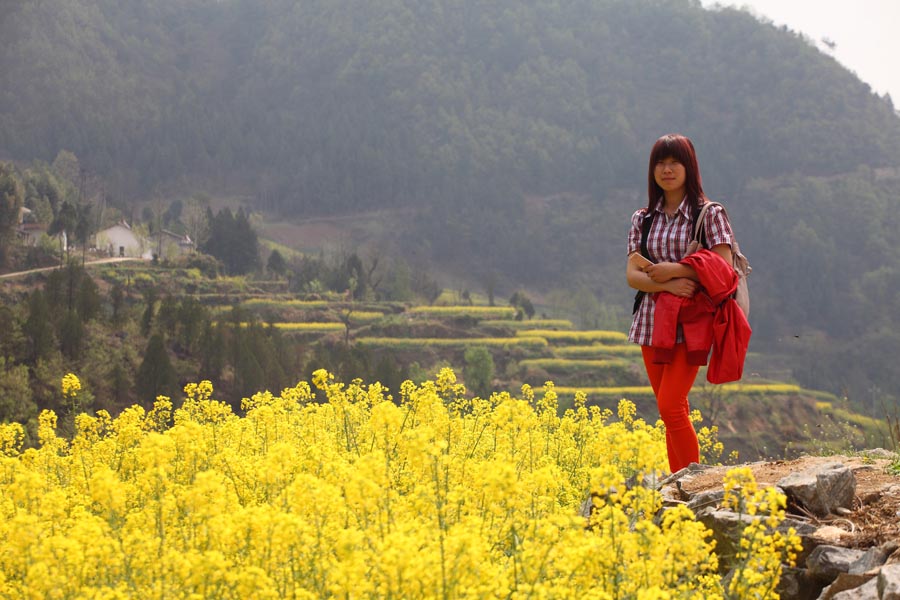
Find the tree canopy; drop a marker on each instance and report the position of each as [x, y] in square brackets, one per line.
[232, 240]
[340, 105]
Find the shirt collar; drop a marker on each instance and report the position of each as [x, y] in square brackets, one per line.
[684, 208]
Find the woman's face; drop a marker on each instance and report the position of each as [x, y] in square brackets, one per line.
[670, 175]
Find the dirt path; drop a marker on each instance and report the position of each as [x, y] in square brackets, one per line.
[99, 261]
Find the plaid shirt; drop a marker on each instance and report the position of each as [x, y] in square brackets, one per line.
[668, 242]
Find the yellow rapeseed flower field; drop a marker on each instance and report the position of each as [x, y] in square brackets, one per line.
[319, 327]
[575, 337]
[414, 343]
[262, 303]
[594, 350]
[534, 323]
[349, 492]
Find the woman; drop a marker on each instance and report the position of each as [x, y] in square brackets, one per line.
[675, 195]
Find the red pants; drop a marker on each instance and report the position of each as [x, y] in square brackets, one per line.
[671, 383]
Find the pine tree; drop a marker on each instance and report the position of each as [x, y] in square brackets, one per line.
[84, 227]
[16, 401]
[120, 381]
[232, 240]
[11, 199]
[88, 298]
[211, 347]
[71, 335]
[64, 226]
[191, 318]
[155, 376]
[276, 264]
[479, 370]
[246, 244]
[117, 301]
[13, 342]
[38, 328]
[150, 307]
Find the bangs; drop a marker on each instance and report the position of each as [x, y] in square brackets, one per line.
[676, 147]
[671, 146]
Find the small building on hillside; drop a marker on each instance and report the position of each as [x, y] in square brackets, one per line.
[30, 234]
[24, 215]
[120, 240]
[167, 244]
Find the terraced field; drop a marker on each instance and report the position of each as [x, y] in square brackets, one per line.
[600, 363]
[600, 366]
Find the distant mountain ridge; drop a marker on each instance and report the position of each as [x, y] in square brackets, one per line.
[340, 105]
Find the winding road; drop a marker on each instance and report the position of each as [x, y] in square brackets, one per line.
[99, 261]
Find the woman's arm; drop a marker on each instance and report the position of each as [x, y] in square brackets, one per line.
[662, 272]
[723, 250]
[640, 279]
[666, 271]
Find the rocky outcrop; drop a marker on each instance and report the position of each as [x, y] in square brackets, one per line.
[832, 565]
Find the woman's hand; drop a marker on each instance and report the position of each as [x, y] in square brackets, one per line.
[681, 286]
[664, 271]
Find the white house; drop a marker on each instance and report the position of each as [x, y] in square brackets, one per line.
[30, 233]
[120, 240]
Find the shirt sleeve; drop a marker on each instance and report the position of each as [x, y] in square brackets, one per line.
[717, 226]
[634, 234]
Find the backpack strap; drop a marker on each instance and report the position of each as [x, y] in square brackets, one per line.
[698, 218]
[646, 224]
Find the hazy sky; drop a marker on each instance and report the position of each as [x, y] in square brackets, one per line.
[864, 31]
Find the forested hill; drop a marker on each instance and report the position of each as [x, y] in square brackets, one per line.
[510, 136]
[343, 105]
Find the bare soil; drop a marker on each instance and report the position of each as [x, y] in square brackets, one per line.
[874, 518]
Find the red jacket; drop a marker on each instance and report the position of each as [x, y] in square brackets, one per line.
[709, 319]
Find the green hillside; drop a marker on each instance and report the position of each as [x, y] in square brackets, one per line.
[341, 105]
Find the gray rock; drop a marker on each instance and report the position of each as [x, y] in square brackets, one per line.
[883, 586]
[686, 473]
[706, 500]
[671, 496]
[889, 582]
[866, 591]
[849, 574]
[821, 489]
[797, 584]
[871, 559]
[807, 533]
[652, 481]
[849, 584]
[727, 528]
[825, 563]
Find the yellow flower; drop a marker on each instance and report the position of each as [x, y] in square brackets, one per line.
[12, 435]
[71, 385]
